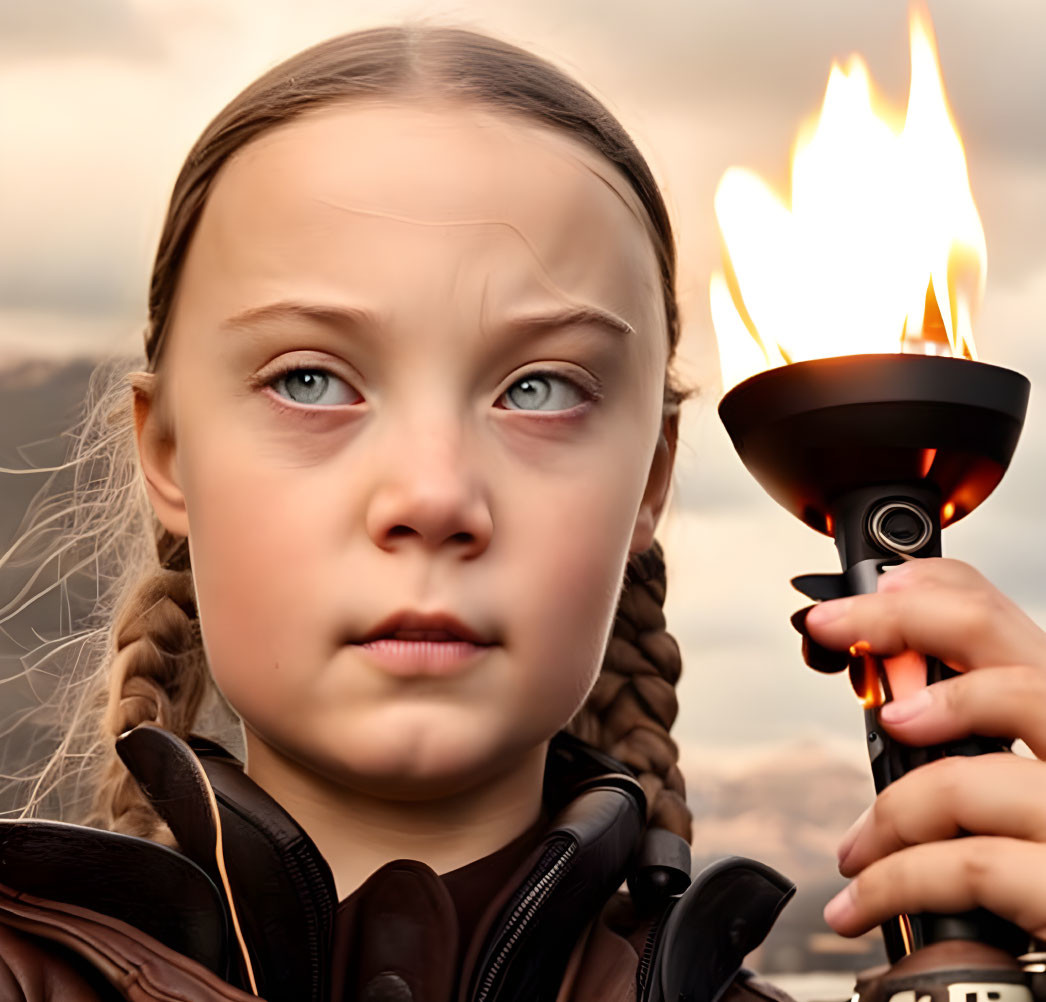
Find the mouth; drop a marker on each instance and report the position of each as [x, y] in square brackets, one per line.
[437, 627]
[410, 645]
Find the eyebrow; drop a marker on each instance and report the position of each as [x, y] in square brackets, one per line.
[338, 317]
[349, 317]
[572, 317]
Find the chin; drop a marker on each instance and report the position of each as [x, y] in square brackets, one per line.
[425, 763]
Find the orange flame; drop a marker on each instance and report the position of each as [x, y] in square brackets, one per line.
[864, 676]
[882, 248]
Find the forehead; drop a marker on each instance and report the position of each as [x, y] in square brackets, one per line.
[348, 190]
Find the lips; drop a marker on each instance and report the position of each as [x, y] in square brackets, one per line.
[436, 626]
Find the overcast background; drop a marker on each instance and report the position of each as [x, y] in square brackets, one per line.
[101, 99]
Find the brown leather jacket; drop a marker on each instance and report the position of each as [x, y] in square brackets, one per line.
[247, 909]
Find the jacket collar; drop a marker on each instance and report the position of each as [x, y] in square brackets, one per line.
[278, 893]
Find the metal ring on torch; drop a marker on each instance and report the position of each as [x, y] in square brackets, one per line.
[916, 535]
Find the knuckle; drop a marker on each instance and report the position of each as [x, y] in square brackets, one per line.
[889, 629]
[867, 891]
[889, 814]
[982, 611]
[977, 867]
[1036, 830]
[950, 777]
[933, 568]
[959, 574]
[956, 693]
[885, 803]
[955, 568]
[936, 804]
[889, 885]
[1028, 685]
[902, 830]
[1007, 700]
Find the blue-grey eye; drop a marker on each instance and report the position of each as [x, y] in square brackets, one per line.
[536, 389]
[308, 386]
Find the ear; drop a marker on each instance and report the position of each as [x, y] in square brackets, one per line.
[658, 483]
[156, 454]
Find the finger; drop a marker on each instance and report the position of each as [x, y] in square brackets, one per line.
[906, 673]
[964, 626]
[1004, 702]
[926, 571]
[997, 794]
[1006, 876]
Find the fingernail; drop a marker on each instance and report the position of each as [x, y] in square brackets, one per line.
[841, 907]
[900, 710]
[848, 840]
[827, 611]
[798, 619]
[819, 658]
[823, 659]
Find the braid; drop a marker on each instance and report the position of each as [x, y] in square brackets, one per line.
[633, 704]
[157, 673]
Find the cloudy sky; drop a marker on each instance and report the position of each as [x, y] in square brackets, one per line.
[101, 99]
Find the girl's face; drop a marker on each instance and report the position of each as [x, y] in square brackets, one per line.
[416, 364]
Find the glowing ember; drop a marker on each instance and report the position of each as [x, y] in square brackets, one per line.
[882, 249]
[865, 677]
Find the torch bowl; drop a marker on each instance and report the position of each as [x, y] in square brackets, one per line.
[812, 432]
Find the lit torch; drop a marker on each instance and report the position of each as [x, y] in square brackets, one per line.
[867, 416]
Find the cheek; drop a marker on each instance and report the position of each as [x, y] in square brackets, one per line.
[575, 572]
[254, 570]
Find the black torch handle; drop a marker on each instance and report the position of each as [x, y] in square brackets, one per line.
[874, 526]
[891, 759]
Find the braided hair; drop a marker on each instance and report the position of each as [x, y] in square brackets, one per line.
[631, 708]
[158, 673]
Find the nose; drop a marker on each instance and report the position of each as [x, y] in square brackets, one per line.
[430, 491]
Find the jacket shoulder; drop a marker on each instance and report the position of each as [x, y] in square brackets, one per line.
[106, 872]
[37, 970]
[54, 951]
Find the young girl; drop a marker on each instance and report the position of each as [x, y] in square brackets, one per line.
[405, 430]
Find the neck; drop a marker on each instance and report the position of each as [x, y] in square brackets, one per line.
[358, 833]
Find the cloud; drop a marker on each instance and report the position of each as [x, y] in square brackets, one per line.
[1011, 200]
[728, 605]
[76, 283]
[53, 337]
[48, 28]
[743, 53]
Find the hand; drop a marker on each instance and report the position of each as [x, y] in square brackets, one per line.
[902, 851]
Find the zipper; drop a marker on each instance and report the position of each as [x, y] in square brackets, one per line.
[299, 857]
[528, 904]
[644, 979]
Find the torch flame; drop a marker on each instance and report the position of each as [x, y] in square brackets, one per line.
[882, 249]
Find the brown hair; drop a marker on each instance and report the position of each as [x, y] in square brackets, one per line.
[157, 669]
